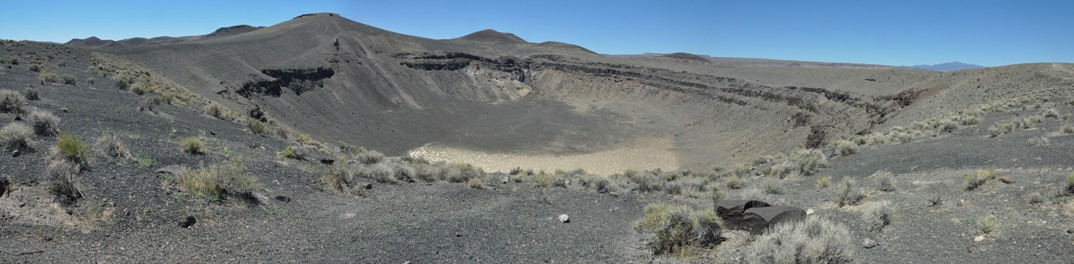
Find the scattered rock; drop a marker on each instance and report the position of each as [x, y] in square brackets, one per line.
[282, 198]
[869, 243]
[1006, 179]
[978, 238]
[564, 218]
[505, 180]
[809, 211]
[187, 222]
[172, 169]
[367, 186]
[1070, 231]
[16, 153]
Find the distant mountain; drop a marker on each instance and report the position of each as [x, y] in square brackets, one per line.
[950, 66]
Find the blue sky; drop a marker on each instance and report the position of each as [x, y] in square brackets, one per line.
[989, 33]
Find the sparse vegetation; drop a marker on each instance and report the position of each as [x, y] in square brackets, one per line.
[70, 147]
[64, 175]
[258, 127]
[11, 101]
[289, 152]
[884, 181]
[847, 194]
[680, 230]
[987, 225]
[15, 136]
[31, 95]
[192, 145]
[824, 181]
[45, 123]
[48, 77]
[846, 147]
[111, 146]
[340, 178]
[219, 181]
[218, 111]
[813, 240]
[877, 215]
[475, 183]
[69, 79]
[979, 178]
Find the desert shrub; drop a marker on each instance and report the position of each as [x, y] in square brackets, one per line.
[813, 240]
[877, 215]
[689, 185]
[112, 146]
[847, 193]
[1049, 113]
[64, 175]
[31, 95]
[122, 84]
[219, 181]
[773, 187]
[1001, 128]
[735, 183]
[369, 157]
[1036, 198]
[48, 77]
[380, 172]
[45, 123]
[979, 178]
[680, 230]
[290, 153]
[476, 183]
[542, 179]
[1069, 189]
[426, 172]
[258, 127]
[753, 194]
[809, 161]
[846, 147]
[35, 67]
[15, 136]
[11, 101]
[466, 171]
[1066, 128]
[884, 181]
[192, 145]
[217, 111]
[71, 147]
[69, 79]
[824, 181]
[987, 224]
[1040, 141]
[648, 181]
[340, 178]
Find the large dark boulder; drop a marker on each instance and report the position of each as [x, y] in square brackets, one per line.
[755, 216]
[764, 217]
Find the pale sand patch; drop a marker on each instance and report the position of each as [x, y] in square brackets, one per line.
[639, 154]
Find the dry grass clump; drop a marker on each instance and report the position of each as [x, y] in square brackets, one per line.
[46, 76]
[1040, 141]
[45, 123]
[1069, 188]
[218, 111]
[64, 175]
[1066, 128]
[884, 181]
[476, 183]
[11, 101]
[987, 225]
[192, 145]
[290, 153]
[69, 79]
[877, 215]
[112, 146]
[679, 230]
[369, 156]
[15, 136]
[803, 162]
[258, 127]
[1002, 128]
[219, 181]
[848, 194]
[846, 147]
[979, 178]
[340, 178]
[31, 95]
[824, 181]
[813, 240]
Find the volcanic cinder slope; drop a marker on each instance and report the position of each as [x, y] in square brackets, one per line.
[494, 100]
[497, 101]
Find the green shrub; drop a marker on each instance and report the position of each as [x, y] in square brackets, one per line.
[11, 101]
[258, 127]
[217, 182]
[71, 147]
[289, 152]
[813, 240]
[69, 79]
[680, 230]
[45, 123]
[824, 181]
[192, 145]
[15, 136]
[987, 224]
[48, 77]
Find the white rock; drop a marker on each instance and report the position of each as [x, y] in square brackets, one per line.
[809, 211]
[978, 239]
[869, 243]
[564, 218]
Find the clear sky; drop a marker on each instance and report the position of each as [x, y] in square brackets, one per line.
[989, 33]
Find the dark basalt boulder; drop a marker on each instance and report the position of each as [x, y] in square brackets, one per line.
[755, 216]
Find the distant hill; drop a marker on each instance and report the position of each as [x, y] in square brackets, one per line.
[950, 66]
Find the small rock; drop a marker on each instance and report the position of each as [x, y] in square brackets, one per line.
[1006, 179]
[282, 198]
[869, 243]
[172, 169]
[367, 186]
[978, 238]
[187, 222]
[564, 218]
[1070, 231]
[505, 180]
[810, 211]
[16, 153]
